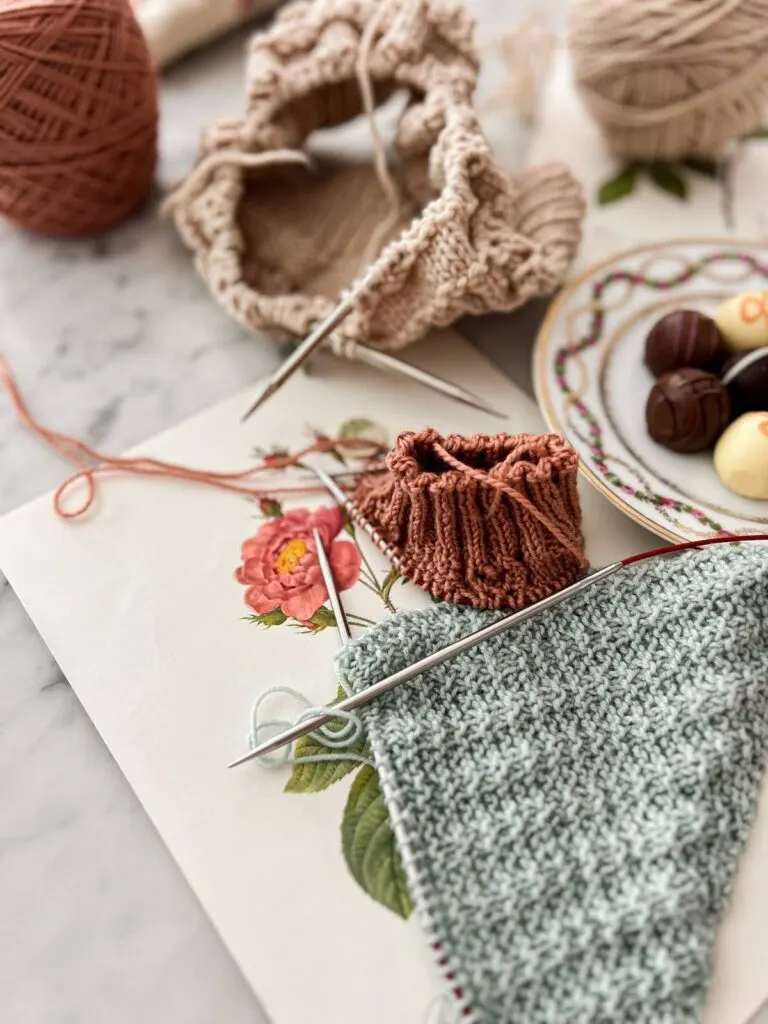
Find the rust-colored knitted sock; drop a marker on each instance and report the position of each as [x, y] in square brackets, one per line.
[492, 522]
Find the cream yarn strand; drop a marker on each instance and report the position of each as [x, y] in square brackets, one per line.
[666, 79]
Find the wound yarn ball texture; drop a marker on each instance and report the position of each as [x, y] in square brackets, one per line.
[670, 79]
[78, 114]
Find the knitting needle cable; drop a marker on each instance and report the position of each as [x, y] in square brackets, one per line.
[405, 675]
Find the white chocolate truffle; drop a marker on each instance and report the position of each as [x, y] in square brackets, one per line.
[743, 321]
[741, 456]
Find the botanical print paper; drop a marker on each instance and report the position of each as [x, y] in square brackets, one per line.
[143, 604]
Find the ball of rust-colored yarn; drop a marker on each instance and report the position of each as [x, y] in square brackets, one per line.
[78, 114]
[670, 79]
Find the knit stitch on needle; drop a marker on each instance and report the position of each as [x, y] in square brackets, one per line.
[571, 798]
[281, 224]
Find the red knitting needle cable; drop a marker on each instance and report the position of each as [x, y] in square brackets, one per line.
[693, 545]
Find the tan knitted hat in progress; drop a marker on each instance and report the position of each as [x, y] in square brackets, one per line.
[493, 522]
[281, 222]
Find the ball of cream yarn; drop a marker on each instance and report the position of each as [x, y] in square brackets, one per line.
[671, 78]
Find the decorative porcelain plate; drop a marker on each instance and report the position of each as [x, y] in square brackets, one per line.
[592, 383]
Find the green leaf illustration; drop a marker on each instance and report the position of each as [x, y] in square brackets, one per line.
[369, 845]
[364, 428]
[700, 165]
[349, 526]
[267, 619]
[270, 508]
[389, 581]
[322, 619]
[619, 187]
[335, 453]
[667, 179]
[315, 777]
[357, 427]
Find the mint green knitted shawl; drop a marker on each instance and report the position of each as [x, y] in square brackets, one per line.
[570, 799]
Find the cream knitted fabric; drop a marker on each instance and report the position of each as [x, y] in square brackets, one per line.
[571, 798]
[277, 241]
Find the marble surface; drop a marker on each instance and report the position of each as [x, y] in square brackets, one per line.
[113, 339]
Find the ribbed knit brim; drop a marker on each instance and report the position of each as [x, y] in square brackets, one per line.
[488, 521]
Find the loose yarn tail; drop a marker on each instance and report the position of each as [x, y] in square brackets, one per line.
[90, 463]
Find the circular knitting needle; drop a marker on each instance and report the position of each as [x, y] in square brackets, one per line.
[302, 352]
[346, 503]
[369, 356]
[405, 675]
[342, 625]
[384, 361]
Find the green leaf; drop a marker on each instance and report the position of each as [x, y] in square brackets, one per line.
[364, 429]
[315, 777]
[270, 508]
[619, 187]
[389, 581]
[369, 847]
[708, 168]
[357, 428]
[323, 618]
[333, 452]
[268, 619]
[665, 177]
[761, 132]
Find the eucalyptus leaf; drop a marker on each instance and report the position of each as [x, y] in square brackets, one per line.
[665, 177]
[619, 187]
[369, 847]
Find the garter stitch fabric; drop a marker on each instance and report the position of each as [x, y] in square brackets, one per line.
[489, 521]
[571, 798]
[278, 241]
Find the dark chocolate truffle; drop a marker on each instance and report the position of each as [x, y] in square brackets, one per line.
[687, 410]
[684, 338]
[746, 377]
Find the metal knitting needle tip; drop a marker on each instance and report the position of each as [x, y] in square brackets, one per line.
[342, 625]
[302, 353]
[405, 675]
[384, 361]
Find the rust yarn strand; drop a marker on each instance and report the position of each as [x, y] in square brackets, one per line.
[90, 464]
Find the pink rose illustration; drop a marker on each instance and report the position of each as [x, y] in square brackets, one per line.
[280, 566]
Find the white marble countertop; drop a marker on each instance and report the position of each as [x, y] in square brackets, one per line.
[113, 339]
